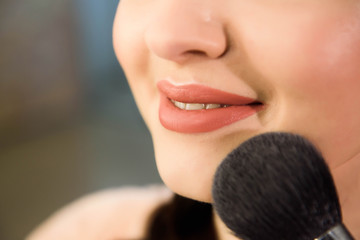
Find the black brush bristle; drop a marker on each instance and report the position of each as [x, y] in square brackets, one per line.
[276, 186]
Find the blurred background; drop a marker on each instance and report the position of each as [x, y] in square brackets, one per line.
[68, 123]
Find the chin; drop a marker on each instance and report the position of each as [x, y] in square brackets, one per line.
[187, 174]
[199, 189]
[187, 162]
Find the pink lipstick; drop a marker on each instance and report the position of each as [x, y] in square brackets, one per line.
[229, 108]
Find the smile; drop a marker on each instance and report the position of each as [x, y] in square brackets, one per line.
[195, 108]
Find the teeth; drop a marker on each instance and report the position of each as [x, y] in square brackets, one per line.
[194, 106]
[197, 106]
[180, 104]
[212, 105]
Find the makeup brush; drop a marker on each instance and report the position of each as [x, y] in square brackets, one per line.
[277, 186]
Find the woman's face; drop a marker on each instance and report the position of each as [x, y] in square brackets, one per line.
[293, 64]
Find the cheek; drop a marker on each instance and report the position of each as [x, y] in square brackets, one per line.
[307, 51]
[333, 56]
[128, 31]
[329, 72]
[130, 49]
[330, 79]
[313, 65]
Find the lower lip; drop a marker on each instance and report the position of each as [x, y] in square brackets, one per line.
[204, 120]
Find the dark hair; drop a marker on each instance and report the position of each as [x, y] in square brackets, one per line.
[182, 219]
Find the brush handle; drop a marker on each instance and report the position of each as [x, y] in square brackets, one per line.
[339, 232]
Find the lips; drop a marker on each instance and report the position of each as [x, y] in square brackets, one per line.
[202, 120]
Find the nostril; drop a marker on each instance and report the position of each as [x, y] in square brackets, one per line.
[197, 52]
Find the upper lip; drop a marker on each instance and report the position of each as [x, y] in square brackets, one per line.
[197, 93]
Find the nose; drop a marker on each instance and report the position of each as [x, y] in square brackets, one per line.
[181, 30]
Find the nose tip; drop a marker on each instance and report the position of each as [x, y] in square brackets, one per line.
[178, 37]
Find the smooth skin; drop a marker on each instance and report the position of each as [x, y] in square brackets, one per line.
[300, 58]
